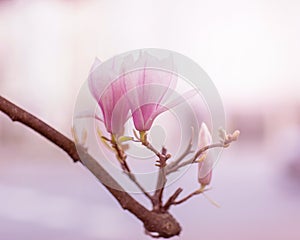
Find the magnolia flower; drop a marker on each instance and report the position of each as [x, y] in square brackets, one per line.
[148, 89]
[144, 91]
[204, 165]
[140, 87]
[109, 98]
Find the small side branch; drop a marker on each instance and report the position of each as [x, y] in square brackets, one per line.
[186, 152]
[163, 156]
[173, 168]
[199, 191]
[161, 180]
[136, 182]
[121, 156]
[172, 199]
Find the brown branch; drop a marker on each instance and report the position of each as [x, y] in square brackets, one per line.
[161, 223]
[172, 199]
[19, 115]
[198, 191]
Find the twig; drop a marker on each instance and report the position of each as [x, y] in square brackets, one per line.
[186, 152]
[148, 145]
[174, 168]
[163, 156]
[198, 191]
[121, 156]
[161, 180]
[136, 182]
[162, 223]
[172, 199]
[143, 139]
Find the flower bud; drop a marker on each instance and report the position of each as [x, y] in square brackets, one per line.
[205, 180]
[204, 165]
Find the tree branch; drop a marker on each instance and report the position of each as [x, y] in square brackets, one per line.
[19, 115]
[161, 223]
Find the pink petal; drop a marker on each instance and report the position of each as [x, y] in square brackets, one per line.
[108, 102]
[109, 96]
[205, 180]
[146, 103]
[92, 81]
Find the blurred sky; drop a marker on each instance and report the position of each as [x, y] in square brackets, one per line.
[250, 49]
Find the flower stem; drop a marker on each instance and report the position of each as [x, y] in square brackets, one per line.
[121, 156]
[197, 192]
[172, 168]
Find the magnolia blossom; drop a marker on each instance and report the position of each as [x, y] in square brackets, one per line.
[204, 165]
[144, 91]
[108, 98]
[148, 90]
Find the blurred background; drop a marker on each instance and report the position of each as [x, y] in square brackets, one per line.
[250, 49]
